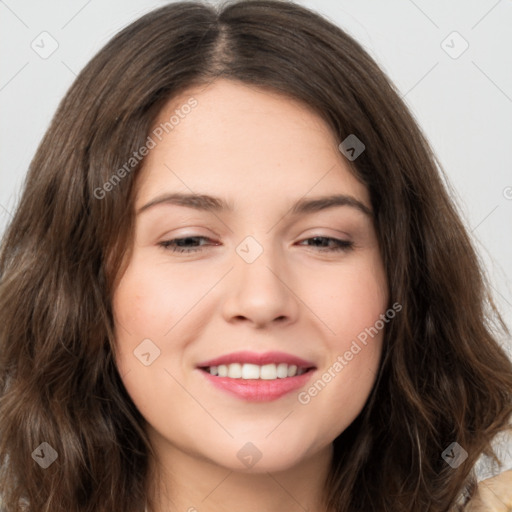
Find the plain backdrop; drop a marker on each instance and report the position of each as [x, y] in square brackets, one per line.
[452, 62]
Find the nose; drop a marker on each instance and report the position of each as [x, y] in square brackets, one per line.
[261, 292]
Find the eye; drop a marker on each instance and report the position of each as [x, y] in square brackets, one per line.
[182, 244]
[336, 244]
[190, 244]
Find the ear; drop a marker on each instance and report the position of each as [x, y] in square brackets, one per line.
[493, 494]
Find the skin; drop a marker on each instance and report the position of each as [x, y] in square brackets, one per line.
[493, 495]
[259, 151]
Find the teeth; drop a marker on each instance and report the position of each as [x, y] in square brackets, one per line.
[254, 371]
[282, 370]
[250, 371]
[235, 371]
[268, 372]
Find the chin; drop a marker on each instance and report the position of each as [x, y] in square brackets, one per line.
[261, 457]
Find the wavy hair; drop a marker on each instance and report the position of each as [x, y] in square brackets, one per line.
[443, 375]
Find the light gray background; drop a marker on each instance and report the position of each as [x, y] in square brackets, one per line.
[463, 104]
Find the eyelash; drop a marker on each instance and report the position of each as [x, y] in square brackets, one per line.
[340, 245]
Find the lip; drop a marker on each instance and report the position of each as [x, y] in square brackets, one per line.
[258, 390]
[259, 359]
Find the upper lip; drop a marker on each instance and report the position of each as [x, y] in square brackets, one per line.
[257, 358]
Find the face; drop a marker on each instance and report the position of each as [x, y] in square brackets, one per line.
[253, 315]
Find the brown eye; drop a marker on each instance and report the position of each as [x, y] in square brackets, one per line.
[184, 245]
[336, 244]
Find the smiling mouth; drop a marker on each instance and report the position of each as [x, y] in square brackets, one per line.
[248, 371]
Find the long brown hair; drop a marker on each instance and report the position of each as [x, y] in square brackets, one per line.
[443, 376]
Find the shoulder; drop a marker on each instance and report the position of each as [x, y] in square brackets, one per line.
[493, 494]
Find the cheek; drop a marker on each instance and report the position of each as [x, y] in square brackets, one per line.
[145, 308]
[354, 298]
[349, 300]
[141, 312]
[154, 302]
[151, 298]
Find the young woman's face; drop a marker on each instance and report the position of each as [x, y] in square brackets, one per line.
[250, 284]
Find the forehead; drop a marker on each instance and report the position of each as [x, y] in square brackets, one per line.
[241, 140]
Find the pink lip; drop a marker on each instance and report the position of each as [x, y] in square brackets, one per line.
[257, 390]
[259, 359]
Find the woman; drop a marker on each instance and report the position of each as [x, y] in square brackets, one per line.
[327, 346]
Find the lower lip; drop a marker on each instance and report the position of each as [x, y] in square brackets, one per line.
[259, 390]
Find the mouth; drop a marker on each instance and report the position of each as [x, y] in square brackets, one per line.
[248, 371]
[257, 377]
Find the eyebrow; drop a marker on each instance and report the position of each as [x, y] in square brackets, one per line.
[216, 204]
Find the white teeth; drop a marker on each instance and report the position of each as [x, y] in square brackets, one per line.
[235, 371]
[250, 371]
[268, 372]
[282, 370]
[292, 370]
[254, 371]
